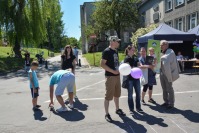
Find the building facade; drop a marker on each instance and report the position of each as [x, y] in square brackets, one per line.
[86, 10]
[180, 14]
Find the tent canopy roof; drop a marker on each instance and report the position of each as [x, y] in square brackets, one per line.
[194, 30]
[165, 32]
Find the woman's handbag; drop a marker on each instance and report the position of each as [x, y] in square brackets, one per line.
[125, 82]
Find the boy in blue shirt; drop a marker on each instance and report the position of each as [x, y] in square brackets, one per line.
[34, 84]
[63, 79]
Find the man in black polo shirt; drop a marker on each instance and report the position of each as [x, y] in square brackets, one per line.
[110, 62]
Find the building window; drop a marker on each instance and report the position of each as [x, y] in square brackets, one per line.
[170, 23]
[192, 20]
[179, 24]
[169, 5]
[179, 2]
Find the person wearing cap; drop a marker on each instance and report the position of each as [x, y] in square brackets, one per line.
[110, 63]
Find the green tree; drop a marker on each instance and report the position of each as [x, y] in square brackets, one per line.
[115, 14]
[140, 32]
[25, 22]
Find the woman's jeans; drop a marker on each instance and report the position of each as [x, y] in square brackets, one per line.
[136, 85]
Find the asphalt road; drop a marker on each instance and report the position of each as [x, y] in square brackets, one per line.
[88, 116]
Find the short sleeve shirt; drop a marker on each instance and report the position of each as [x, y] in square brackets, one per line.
[112, 60]
[34, 78]
[67, 63]
[55, 78]
[133, 62]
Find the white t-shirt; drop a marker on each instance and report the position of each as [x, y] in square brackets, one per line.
[179, 57]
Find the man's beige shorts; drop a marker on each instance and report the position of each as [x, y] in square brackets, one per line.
[113, 87]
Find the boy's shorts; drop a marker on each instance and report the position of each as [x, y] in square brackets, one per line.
[35, 95]
[66, 81]
[113, 87]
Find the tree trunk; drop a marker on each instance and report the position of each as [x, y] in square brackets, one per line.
[16, 49]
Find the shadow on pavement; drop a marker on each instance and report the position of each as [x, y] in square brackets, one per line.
[80, 106]
[129, 125]
[189, 114]
[38, 115]
[73, 115]
[149, 119]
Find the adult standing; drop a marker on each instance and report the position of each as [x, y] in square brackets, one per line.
[150, 75]
[133, 61]
[110, 63]
[169, 72]
[68, 61]
[76, 52]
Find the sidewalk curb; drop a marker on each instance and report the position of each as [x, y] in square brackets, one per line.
[86, 62]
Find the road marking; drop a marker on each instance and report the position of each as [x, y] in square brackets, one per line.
[83, 88]
[158, 94]
[178, 126]
[153, 129]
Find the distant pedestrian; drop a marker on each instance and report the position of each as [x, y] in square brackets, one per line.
[27, 64]
[169, 72]
[76, 52]
[133, 61]
[34, 85]
[63, 79]
[150, 75]
[110, 63]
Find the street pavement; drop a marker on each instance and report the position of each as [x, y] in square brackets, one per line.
[88, 116]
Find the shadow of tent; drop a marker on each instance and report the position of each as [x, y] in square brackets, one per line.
[130, 126]
[189, 114]
[73, 115]
[38, 115]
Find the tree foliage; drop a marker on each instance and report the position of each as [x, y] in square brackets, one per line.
[25, 21]
[115, 14]
[140, 32]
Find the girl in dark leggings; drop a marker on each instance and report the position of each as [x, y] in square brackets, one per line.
[145, 87]
[151, 76]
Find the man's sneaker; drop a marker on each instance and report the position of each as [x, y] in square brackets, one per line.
[120, 112]
[151, 101]
[143, 102]
[164, 104]
[71, 106]
[35, 109]
[108, 118]
[139, 110]
[62, 109]
[38, 106]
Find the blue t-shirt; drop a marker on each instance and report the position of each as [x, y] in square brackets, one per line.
[55, 78]
[34, 77]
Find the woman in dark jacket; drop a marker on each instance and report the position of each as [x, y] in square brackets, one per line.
[133, 83]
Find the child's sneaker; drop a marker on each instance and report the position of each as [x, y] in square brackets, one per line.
[62, 109]
[71, 106]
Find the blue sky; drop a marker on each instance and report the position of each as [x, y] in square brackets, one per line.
[71, 17]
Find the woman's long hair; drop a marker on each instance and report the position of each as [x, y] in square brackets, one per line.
[66, 52]
[127, 49]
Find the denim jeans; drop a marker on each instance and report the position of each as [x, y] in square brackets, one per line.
[136, 85]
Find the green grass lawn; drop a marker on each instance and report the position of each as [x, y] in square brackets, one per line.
[10, 63]
[98, 55]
